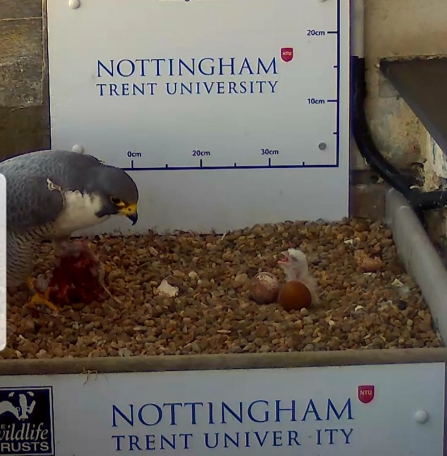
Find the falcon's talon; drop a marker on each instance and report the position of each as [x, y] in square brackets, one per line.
[42, 300]
[39, 298]
[31, 282]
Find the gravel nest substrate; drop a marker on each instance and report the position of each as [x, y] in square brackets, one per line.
[213, 312]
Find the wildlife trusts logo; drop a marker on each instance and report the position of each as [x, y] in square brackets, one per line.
[26, 421]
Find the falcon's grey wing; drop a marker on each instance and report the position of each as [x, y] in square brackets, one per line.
[32, 201]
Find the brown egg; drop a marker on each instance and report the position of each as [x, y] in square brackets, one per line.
[294, 295]
[264, 288]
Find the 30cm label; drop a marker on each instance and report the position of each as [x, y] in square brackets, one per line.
[269, 152]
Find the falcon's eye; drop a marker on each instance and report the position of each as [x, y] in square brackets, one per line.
[116, 201]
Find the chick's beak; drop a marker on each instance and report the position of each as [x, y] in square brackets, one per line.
[284, 259]
[130, 211]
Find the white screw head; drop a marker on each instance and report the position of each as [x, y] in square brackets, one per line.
[77, 148]
[421, 416]
[74, 4]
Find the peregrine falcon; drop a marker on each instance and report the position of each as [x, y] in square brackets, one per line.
[51, 194]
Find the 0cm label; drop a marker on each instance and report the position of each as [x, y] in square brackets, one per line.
[131, 154]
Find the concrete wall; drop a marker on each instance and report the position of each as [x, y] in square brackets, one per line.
[23, 80]
[393, 28]
[399, 28]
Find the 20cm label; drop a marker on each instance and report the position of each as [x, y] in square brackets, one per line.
[201, 153]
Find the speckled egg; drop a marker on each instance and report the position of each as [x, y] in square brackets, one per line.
[264, 288]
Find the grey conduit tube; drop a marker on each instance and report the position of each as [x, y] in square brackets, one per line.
[420, 258]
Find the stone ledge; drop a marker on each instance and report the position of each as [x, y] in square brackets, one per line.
[20, 9]
[23, 130]
[221, 362]
[21, 63]
[368, 201]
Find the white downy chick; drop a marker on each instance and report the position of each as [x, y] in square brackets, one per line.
[294, 264]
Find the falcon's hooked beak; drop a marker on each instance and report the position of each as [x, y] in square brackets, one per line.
[130, 211]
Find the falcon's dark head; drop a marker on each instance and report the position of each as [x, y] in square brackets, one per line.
[118, 192]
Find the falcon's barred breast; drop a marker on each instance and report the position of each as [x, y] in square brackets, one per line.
[51, 194]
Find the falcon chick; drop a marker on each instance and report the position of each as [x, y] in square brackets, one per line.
[51, 194]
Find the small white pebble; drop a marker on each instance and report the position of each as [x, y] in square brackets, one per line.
[166, 289]
[124, 352]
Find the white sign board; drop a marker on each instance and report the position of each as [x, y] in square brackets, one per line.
[395, 410]
[227, 113]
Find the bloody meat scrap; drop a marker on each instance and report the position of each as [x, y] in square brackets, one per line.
[78, 278]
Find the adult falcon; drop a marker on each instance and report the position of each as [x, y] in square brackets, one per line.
[51, 194]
